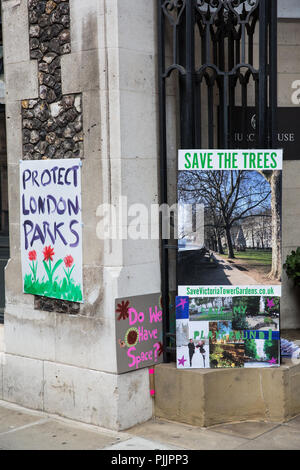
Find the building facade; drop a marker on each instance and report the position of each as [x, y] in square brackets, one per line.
[81, 80]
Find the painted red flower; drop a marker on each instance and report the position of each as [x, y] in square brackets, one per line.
[122, 309]
[32, 255]
[48, 253]
[69, 260]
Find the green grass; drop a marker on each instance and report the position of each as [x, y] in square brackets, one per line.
[211, 316]
[58, 290]
[264, 258]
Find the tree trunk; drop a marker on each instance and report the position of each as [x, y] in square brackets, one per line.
[229, 242]
[213, 243]
[276, 181]
[220, 247]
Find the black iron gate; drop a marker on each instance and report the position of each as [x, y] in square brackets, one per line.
[4, 239]
[224, 54]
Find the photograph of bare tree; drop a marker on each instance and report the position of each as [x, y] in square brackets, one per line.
[242, 227]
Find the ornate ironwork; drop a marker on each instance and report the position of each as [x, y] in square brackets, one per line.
[1, 47]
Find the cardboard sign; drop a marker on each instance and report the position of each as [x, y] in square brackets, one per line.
[51, 228]
[229, 267]
[138, 332]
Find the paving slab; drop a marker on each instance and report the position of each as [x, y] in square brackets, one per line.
[187, 437]
[55, 435]
[138, 443]
[247, 429]
[295, 423]
[281, 438]
[12, 419]
[22, 429]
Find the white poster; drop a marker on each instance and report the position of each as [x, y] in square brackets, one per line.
[51, 228]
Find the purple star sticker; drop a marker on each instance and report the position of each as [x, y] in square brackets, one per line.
[182, 303]
[270, 303]
[182, 361]
[273, 361]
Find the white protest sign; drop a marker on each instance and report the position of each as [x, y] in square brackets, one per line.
[51, 228]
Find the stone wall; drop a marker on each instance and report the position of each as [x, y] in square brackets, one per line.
[289, 71]
[52, 124]
[288, 9]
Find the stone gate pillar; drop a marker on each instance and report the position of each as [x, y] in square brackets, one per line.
[81, 82]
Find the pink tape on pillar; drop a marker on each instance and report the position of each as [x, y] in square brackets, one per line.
[152, 391]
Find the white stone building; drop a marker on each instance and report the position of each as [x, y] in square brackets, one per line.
[258, 231]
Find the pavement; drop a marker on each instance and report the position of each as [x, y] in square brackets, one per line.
[234, 276]
[23, 429]
[195, 269]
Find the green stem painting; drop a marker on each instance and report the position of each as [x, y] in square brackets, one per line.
[57, 289]
[54, 287]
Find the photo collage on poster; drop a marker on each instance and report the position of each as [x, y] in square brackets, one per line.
[214, 332]
[229, 259]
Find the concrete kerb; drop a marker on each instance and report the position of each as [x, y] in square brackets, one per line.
[210, 397]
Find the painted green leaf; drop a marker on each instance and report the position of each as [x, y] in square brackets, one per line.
[57, 264]
[47, 269]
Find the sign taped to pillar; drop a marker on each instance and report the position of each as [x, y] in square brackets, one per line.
[229, 258]
[139, 332]
[51, 228]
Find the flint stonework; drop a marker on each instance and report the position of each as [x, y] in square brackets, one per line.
[49, 32]
[51, 122]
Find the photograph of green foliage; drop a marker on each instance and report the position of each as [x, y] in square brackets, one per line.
[227, 355]
[245, 313]
[256, 313]
[210, 308]
[261, 353]
[221, 332]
